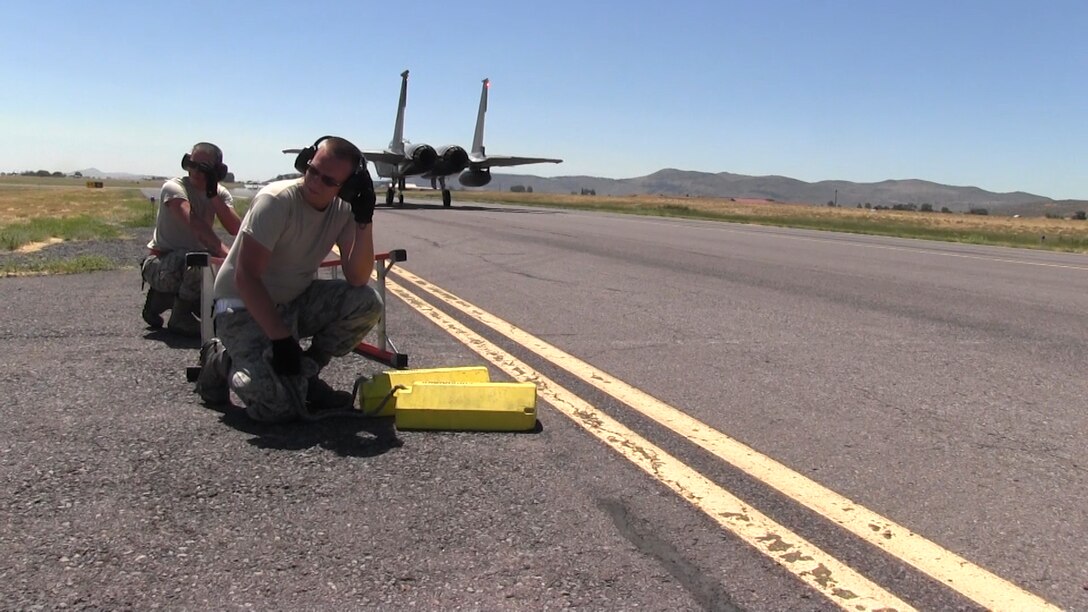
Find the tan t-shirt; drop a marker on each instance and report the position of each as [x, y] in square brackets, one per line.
[298, 236]
[170, 233]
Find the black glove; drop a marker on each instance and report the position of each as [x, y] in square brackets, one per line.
[363, 200]
[211, 183]
[286, 357]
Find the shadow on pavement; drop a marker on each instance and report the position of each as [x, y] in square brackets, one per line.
[537, 428]
[171, 339]
[337, 434]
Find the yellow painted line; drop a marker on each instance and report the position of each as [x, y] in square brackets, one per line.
[972, 581]
[838, 582]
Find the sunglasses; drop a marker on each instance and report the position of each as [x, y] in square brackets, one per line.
[326, 180]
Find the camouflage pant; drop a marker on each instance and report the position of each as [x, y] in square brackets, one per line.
[167, 273]
[335, 315]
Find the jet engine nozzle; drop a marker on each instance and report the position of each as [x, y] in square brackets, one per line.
[475, 177]
[421, 159]
[451, 160]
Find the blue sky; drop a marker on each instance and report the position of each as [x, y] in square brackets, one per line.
[986, 93]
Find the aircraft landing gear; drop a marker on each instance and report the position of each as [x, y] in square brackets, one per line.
[446, 197]
[400, 192]
[389, 196]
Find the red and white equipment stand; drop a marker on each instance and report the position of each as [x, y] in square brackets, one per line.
[384, 352]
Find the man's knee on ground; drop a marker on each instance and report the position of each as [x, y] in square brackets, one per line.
[264, 398]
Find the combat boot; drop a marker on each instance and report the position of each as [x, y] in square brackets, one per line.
[183, 321]
[322, 397]
[156, 303]
[211, 384]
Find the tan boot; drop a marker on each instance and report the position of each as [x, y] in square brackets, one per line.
[183, 321]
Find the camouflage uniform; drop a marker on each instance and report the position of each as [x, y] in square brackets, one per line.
[167, 273]
[173, 286]
[336, 315]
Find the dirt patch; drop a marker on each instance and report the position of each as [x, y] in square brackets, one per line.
[37, 246]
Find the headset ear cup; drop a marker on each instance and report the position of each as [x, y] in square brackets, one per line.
[304, 157]
[185, 162]
[221, 172]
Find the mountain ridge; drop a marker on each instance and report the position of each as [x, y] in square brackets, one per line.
[676, 182]
[691, 183]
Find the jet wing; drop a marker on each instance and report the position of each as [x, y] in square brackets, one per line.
[507, 160]
[385, 157]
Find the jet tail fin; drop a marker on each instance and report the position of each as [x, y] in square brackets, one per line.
[478, 138]
[397, 144]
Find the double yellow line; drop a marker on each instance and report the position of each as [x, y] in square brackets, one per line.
[838, 582]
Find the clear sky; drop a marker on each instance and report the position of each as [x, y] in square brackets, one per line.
[989, 93]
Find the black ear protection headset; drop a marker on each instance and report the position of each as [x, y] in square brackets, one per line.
[359, 184]
[220, 168]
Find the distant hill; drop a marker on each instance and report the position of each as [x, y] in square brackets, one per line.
[672, 182]
[125, 176]
[682, 183]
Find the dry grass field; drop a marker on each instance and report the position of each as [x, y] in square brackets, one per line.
[26, 202]
[50, 226]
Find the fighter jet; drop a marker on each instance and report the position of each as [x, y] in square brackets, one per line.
[402, 158]
[475, 169]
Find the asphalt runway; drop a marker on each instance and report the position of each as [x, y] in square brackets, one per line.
[938, 385]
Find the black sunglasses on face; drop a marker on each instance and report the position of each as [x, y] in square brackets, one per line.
[326, 180]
